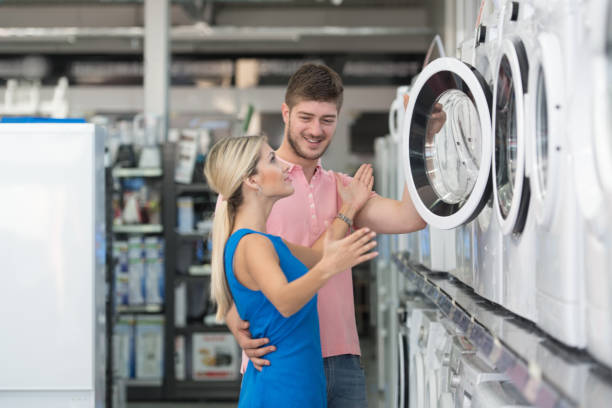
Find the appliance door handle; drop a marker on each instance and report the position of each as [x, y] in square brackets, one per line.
[401, 395]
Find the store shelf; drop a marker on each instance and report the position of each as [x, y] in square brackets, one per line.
[192, 235]
[209, 389]
[152, 309]
[200, 270]
[135, 382]
[201, 328]
[193, 188]
[138, 229]
[144, 393]
[546, 373]
[138, 172]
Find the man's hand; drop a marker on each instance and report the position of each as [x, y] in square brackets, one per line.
[357, 193]
[436, 119]
[253, 348]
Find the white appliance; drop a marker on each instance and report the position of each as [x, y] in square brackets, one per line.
[559, 278]
[418, 340]
[481, 52]
[413, 302]
[52, 254]
[437, 352]
[592, 164]
[382, 266]
[389, 282]
[512, 193]
[447, 159]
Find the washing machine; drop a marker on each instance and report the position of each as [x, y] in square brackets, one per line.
[560, 299]
[592, 168]
[412, 303]
[512, 192]
[437, 356]
[447, 159]
[423, 323]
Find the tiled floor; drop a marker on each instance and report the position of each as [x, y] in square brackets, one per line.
[368, 350]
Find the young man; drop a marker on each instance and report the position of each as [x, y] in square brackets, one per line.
[312, 103]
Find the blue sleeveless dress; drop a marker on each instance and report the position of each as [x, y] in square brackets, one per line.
[295, 377]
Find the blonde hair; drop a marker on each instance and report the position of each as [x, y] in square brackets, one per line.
[228, 163]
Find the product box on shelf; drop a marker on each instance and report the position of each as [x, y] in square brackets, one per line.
[179, 357]
[123, 347]
[215, 356]
[180, 305]
[120, 253]
[154, 270]
[136, 270]
[149, 347]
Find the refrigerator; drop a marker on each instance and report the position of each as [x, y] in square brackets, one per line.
[52, 259]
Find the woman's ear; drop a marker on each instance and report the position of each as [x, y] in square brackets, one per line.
[252, 183]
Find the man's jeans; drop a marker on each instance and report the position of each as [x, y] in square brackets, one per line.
[346, 386]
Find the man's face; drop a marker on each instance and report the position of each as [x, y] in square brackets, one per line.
[310, 126]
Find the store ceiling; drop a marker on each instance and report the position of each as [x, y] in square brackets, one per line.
[239, 3]
[218, 26]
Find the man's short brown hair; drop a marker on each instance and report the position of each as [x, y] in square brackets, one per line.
[314, 82]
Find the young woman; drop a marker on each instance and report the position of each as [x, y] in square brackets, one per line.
[273, 283]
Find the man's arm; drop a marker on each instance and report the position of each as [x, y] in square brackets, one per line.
[253, 348]
[388, 216]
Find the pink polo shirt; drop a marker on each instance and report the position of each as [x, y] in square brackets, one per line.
[301, 218]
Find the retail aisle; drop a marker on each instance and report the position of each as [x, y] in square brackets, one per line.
[368, 348]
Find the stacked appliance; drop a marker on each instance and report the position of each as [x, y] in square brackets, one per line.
[52, 254]
[559, 278]
[447, 158]
[591, 98]
[512, 194]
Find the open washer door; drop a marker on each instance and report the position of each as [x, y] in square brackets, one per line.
[447, 143]
[512, 190]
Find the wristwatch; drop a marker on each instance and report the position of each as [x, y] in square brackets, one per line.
[346, 219]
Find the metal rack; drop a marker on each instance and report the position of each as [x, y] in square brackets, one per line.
[545, 372]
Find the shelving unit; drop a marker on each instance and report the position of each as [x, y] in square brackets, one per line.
[168, 387]
[180, 390]
[557, 377]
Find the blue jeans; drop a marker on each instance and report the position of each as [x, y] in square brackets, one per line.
[346, 386]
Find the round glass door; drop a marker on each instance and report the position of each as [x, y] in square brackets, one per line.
[548, 126]
[511, 189]
[447, 144]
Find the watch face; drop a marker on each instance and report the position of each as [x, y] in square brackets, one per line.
[505, 137]
[542, 133]
[453, 146]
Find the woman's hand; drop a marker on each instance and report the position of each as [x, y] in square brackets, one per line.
[342, 254]
[358, 191]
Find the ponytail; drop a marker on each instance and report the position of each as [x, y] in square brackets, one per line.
[219, 290]
[228, 163]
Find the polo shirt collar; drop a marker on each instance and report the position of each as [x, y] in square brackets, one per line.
[292, 166]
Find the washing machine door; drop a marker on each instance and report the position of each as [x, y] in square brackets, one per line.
[447, 143]
[510, 185]
[547, 125]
